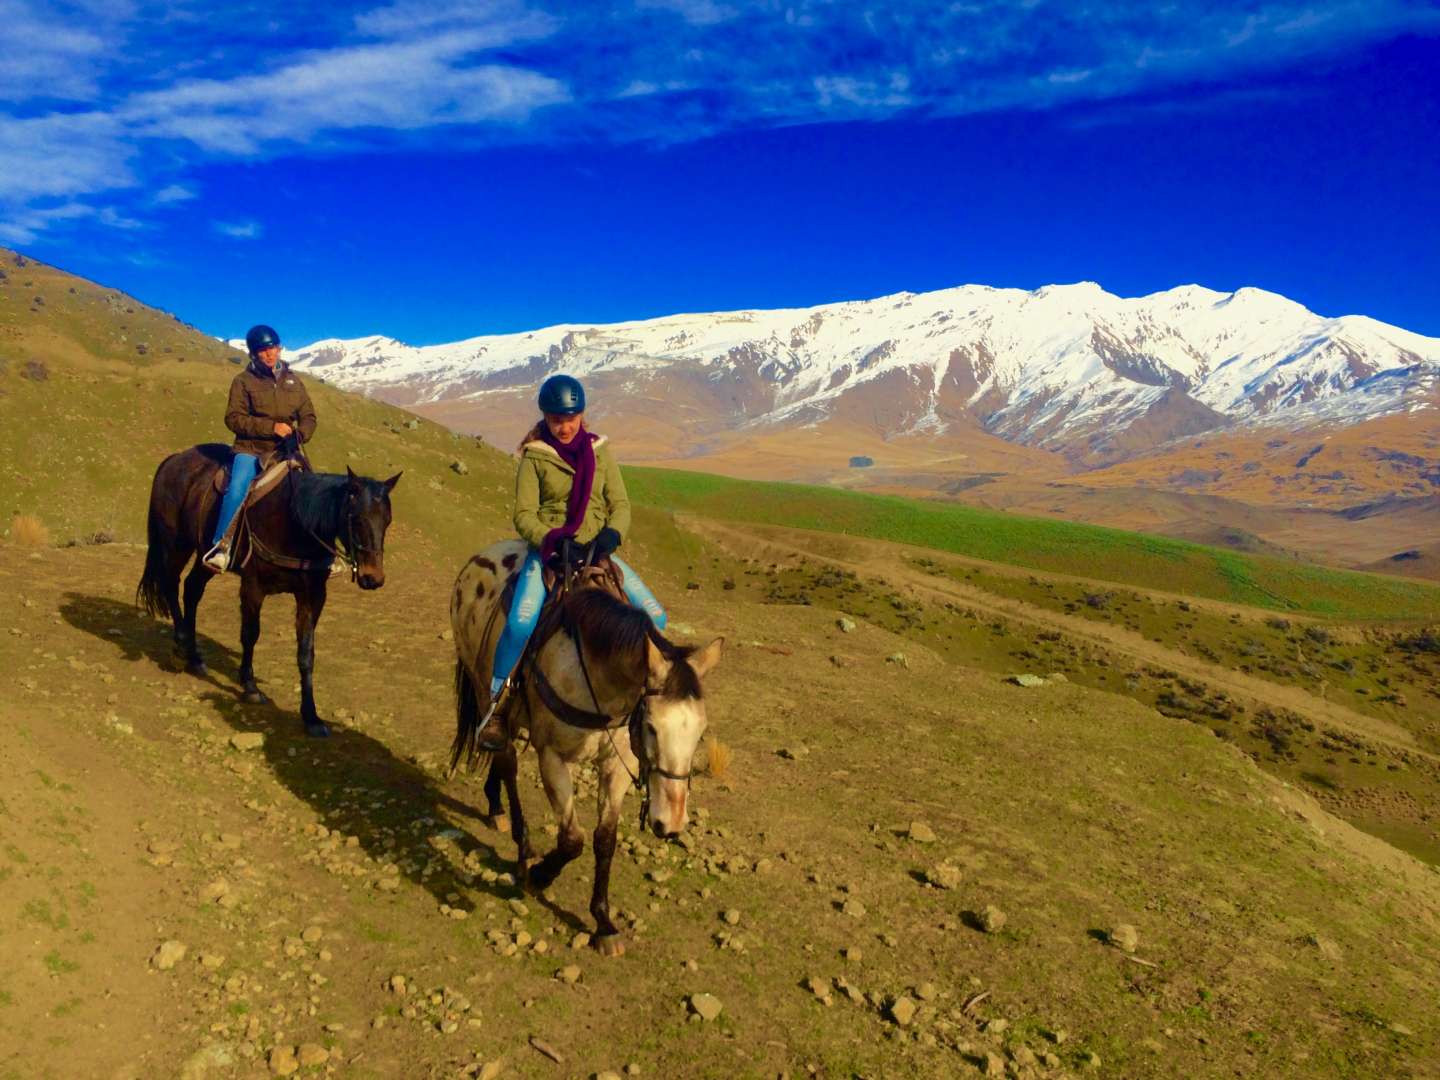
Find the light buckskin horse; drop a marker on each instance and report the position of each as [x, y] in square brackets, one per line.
[290, 537]
[580, 694]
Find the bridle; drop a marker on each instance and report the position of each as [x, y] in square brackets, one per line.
[350, 553]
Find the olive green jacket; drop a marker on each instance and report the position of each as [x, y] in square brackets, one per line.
[542, 489]
[259, 398]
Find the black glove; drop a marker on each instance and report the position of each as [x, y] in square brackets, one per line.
[289, 446]
[606, 541]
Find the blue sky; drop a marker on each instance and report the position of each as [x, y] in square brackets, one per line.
[434, 170]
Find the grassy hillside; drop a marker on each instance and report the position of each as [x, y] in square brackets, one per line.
[96, 388]
[1043, 544]
[889, 790]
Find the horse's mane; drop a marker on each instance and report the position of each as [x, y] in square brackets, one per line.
[613, 630]
[319, 501]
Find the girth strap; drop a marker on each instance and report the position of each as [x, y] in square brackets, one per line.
[571, 714]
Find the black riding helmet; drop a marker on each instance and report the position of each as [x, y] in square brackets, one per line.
[261, 337]
[562, 395]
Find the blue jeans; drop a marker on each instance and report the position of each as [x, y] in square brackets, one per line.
[529, 598]
[242, 475]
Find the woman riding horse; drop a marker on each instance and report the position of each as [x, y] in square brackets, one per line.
[269, 410]
[567, 487]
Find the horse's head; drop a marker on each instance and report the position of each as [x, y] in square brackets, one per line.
[667, 730]
[367, 516]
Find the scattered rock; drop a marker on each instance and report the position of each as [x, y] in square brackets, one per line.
[569, 974]
[1026, 680]
[168, 955]
[545, 1048]
[899, 659]
[459, 468]
[247, 740]
[312, 1054]
[944, 876]
[732, 916]
[920, 832]
[283, 1062]
[992, 919]
[1023, 1056]
[706, 1006]
[580, 940]
[846, 625]
[215, 890]
[854, 908]
[902, 1010]
[1124, 937]
[994, 1065]
[926, 991]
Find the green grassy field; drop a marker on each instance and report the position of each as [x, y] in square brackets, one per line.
[1043, 544]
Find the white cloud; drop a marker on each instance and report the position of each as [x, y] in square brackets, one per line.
[239, 230]
[502, 22]
[698, 12]
[44, 53]
[172, 194]
[399, 86]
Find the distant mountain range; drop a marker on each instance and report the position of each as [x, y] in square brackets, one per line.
[1068, 368]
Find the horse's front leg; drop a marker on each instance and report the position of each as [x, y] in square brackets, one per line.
[560, 790]
[252, 597]
[614, 781]
[309, 603]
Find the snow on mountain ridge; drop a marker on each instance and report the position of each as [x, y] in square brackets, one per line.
[1044, 366]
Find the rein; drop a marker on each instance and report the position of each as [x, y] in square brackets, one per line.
[348, 554]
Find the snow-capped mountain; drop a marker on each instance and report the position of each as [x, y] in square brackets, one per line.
[1068, 367]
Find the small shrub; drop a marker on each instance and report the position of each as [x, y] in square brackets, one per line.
[35, 371]
[717, 759]
[27, 530]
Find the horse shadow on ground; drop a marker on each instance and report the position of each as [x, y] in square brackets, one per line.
[360, 761]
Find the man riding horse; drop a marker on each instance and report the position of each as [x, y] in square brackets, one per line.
[568, 493]
[269, 411]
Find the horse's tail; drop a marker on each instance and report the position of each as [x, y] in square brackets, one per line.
[150, 593]
[467, 721]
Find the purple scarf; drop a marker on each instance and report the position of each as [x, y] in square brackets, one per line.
[580, 456]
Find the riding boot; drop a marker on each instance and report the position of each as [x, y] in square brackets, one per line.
[494, 733]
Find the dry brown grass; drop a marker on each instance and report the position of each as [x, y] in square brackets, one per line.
[718, 757]
[27, 530]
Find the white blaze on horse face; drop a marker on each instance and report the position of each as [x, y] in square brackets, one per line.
[677, 726]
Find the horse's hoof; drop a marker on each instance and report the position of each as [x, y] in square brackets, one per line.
[254, 697]
[609, 945]
[198, 669]
[498, 822]
[317, 729]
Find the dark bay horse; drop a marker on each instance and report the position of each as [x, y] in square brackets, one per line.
[295, 531]
[614, 692]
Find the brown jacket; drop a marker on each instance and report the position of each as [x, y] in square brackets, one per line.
[259, 399]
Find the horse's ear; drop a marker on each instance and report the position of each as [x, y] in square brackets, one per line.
[703, 661]
[659, 666]
[390, 484]
[350, 475]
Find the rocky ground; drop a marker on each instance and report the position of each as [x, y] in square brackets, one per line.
[910, 869]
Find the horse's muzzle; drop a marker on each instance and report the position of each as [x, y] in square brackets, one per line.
[371, 579]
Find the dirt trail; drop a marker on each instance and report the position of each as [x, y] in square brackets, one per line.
[304, 877]
[878, 560]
